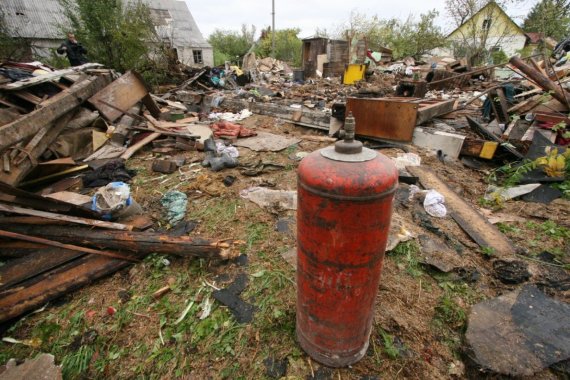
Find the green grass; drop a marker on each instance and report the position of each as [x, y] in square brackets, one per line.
[389, 349]
[406, 254]
[215, 213]
[508, 229]
[487, 251]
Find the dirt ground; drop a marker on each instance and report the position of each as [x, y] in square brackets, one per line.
[420, 316]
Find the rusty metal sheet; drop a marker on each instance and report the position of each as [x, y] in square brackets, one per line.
[390, 119]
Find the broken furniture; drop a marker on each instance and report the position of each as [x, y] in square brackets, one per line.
[394, 118]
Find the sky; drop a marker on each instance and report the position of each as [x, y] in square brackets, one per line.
[324, 14]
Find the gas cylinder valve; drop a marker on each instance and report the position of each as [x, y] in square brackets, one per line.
[349, 149]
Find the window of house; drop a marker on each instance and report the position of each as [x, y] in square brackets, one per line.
[197, 56]
[486, 23]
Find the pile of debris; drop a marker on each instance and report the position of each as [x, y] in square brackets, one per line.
[66, 137]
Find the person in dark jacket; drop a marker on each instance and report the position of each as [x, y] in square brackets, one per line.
[74, 50]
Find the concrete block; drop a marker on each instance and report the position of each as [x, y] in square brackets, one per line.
[449, 143]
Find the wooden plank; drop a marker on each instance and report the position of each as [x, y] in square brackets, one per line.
[70, 197]
[139, 242]
[479, 148]
[52, 109]
[38, 202]
[470, 220]
[504, 106]
[139, 145]
[26, 159]
[528, 104]
[123, 93]
[37, 291]
[481, 130]
[31, 98]
[50, 243]
[28, 82]
[383, 118]
[66, 218]
[36, 263]
[429, 111]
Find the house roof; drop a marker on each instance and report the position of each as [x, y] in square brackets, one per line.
[534, 37]
[39, 19]
[45, 19]
[489, 4]
[174, 21]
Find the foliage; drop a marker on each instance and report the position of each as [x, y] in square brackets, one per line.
[550, 17]
[554, 164]
[229, 45]
[412, 37]
[499, 57]
[406, 253]
[118, 34]
[389, 348]
[287, 45]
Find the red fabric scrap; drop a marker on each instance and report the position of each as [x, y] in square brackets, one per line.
[226, 129]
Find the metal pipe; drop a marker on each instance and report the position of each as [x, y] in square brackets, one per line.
[273, 29]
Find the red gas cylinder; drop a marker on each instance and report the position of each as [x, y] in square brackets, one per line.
[345, 195]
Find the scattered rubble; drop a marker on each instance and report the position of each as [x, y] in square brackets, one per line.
[69, 141]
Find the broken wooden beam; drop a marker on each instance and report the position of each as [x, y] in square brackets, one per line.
[38, 290]
[50, 243]
[48, 77]
[25, 198]
[66, 218]
[541, 80]
[33, 264]
[50, 110]
[470, 220]
[140, 242]
[139, 145]
[27, 159]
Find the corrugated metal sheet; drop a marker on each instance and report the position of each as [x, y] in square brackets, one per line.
[36, 19]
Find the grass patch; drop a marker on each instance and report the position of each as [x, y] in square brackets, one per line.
[216, 213]
[406, 254]
[508, 229]
[389, 348]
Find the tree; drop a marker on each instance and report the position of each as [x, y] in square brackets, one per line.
[417, 39]
[119, 34]
[229, 44]
[288, 46]
[549, 17]
[405, 38]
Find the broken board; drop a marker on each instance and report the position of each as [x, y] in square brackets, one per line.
[122, 94]
[265, 141]
[470, 220]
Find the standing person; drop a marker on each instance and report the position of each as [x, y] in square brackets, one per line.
[74, 50]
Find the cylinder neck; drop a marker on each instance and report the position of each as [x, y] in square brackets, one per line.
[349, 145]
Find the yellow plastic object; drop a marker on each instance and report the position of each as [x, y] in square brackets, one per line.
[354, 73]
[489, 149]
